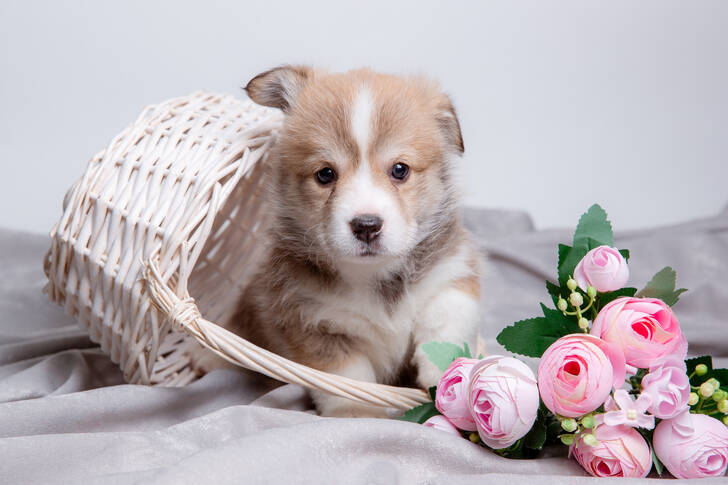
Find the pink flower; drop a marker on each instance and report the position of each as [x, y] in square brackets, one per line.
[669, 388]
[692, 453]
[630, 413]
[621, 452]
[644, 328]
[442, 423]
[451, 398]
[604, 268]
[577, 373]
[503, 400]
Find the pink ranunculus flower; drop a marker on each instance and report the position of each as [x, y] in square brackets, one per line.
[451, 398]
[577, 373]
[692, 446]
[621, 452]
[604, 268]
[669, 388]
[503, 400]
[442, 423]
[644, 328]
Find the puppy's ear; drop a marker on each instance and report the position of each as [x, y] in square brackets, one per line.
[449, 124]
[278, 87]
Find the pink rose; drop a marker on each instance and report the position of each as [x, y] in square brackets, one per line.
[577, 373]
[604, 268]
[442, 423]
[621, 452]
[669, 389]
[451, 398]
[503, 400]
[644, 328]
[692, 453]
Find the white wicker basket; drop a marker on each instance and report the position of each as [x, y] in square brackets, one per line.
[172, 210]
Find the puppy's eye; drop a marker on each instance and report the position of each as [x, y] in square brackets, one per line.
[326, 175]
[400, 171]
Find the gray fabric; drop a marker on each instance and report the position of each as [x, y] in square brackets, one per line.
[67, 416]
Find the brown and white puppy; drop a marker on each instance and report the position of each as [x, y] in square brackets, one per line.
[368, 258]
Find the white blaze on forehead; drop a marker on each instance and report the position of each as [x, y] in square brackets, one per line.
[361, 119]
[361, 194]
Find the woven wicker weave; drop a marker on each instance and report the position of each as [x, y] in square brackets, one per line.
[163, 228]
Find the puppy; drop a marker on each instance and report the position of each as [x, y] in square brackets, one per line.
[368, 258]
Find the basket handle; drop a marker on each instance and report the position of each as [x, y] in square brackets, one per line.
[186, 317]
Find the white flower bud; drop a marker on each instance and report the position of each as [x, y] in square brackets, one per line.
[706, 389]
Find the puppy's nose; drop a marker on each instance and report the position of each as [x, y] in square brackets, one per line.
[366, 227]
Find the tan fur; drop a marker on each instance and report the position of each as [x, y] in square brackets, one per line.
[307, 303]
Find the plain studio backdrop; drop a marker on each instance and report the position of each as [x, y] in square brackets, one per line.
[562, 103]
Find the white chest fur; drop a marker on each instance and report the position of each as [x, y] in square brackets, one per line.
[356, 309]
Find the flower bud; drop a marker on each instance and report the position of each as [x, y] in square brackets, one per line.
[714, 382]
[569, 425]
[701, 369]
[567, 439]
[719, 395]
[583, 323]
[576, 299]
[706, 389]
[694, 398]
[588, 422]
[474, 437]
[725, 420]
[591, 292]
[590, 439]
[723, 406]
[571, 284]
[561, 304]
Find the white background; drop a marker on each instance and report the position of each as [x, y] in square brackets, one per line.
[562, 103]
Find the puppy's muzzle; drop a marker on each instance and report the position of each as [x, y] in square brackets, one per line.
[366, 227]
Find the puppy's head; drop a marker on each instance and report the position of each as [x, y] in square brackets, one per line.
[362, 164]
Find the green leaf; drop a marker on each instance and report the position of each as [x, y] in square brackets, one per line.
[432, 391]
[662, 286]
[691, 364]
[605, 298]
[420, 414]
[569, 262]
[533, 336]
[624, 253]
[721, 375]
[554, 291]
[593, 229]
[535, 438]
[443, 353]
[555, 317]
[563, 252]
[466, 351]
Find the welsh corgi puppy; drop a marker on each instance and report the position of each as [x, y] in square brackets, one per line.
[367, 257]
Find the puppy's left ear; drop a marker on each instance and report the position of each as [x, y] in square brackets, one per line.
[447, 118]
[278, 87]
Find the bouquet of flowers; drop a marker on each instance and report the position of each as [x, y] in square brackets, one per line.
[612, 384]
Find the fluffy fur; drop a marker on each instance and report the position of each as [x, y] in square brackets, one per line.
[332, 301]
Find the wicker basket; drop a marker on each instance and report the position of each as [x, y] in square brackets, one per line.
[163, 228]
